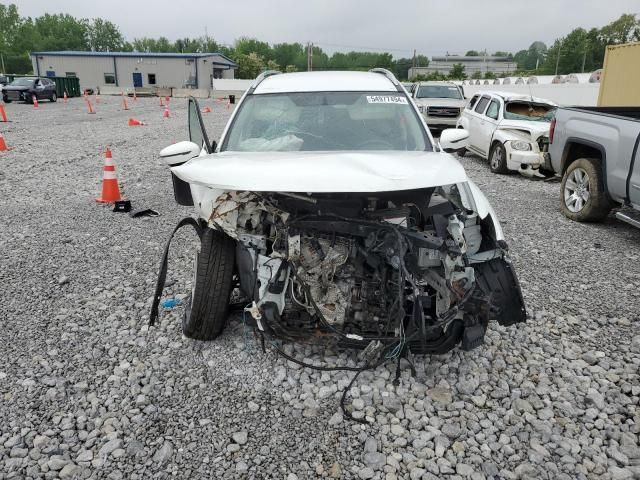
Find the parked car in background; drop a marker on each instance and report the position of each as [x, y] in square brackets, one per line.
[510, 130]
[25, 88]
[596, 150]
[439, 102]
[3, 81]
[342, 220]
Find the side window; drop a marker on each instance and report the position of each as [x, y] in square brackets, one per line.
[492, 111]
[482, 104]
[472, 102]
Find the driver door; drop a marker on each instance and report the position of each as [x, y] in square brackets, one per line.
[197, 132]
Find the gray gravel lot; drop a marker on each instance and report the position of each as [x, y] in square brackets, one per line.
[88, 391]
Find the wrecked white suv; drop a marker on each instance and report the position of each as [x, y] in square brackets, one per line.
[327, 204]
[510, 130]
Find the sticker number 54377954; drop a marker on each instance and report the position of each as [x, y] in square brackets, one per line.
[386, 99]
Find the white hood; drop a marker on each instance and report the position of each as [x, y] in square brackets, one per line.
[535, 128]
[322, 171]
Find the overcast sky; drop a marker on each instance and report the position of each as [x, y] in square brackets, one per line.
[433, 27]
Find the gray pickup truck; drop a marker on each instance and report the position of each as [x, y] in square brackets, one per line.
[595, 150]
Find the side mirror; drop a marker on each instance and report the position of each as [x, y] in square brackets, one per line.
[453, 139]
[179, 153]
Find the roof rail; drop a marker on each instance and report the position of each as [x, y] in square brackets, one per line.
[260, 78]
[390, 76]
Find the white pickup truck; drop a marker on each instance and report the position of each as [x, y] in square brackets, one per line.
[595, 149]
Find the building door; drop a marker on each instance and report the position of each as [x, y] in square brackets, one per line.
[137, 79]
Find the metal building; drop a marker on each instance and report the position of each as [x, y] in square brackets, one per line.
[482, 64]
[135, 69]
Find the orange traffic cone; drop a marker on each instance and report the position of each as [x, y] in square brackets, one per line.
[206, 109]
[124, 103]
[3, 144]
[161, 102]
[135, 97]
[166, 113]
[134, 123]
[110, 189]
[65, 97]
[3, 114]
[96, 97]
[34, 99]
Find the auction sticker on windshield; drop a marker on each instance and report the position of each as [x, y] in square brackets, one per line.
[386, 99]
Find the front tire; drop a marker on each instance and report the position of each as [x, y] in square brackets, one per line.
[498, 159]
[582, 189]
[54, 97]
[205, 314]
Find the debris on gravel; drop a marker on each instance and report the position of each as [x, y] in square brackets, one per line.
[90, 391]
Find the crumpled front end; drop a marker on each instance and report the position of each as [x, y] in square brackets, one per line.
[412, 269]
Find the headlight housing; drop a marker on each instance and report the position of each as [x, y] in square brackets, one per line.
[520, 145]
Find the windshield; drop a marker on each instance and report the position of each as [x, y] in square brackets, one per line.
[317, 121]
[23, 82]
[539, 112]
[438, 91]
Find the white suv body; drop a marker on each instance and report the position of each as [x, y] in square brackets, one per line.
[510, 130]
[439, 102]
[325, 193]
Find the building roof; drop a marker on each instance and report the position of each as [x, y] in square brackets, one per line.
[326, 81]
[224, 60]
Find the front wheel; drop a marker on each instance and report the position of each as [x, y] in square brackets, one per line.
[498, 159]
[583, 196]
[206, 311]
[54, 97]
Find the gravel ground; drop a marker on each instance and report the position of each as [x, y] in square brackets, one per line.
[88, 391]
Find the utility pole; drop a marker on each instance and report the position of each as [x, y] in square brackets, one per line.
[558, 59]
[584, 55]
[413, 69]
[2, 60]
[309, 56]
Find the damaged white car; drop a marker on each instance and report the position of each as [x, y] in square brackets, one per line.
[327, 204]
[510, 130]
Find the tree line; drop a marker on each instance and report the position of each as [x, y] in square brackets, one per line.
[580, 50]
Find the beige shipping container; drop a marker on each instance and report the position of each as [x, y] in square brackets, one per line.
[620, 82]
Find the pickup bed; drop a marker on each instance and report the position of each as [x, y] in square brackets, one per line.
[595, 150]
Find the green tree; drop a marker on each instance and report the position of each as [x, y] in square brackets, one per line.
[287, 53]
[104, 36]
[477, 75]
[457, 72]
[472, 53]
[623, 30]
[489, 76]
[500, 53]
[246, 45]
[60, 32]
[250, 65]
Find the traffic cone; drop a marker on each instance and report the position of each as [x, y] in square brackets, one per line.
[125, 106]
[166, 99]
[206, 109]
[110, 189]
[166, 113]
[96, 97]
[161, 102]
[135, 97]
[3, 114]
[3, 144]
[34, 99]
[134, 123]
[65, 97]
